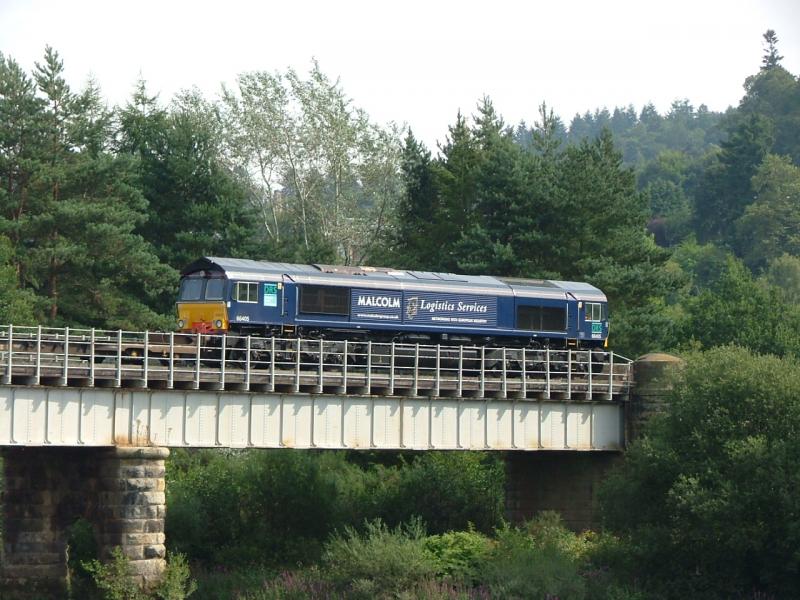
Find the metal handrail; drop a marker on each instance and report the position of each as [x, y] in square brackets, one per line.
[65, 356]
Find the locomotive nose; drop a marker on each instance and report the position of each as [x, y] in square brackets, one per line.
[202, 317]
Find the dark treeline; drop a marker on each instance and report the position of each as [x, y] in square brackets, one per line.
[690, 221]
[677, 216]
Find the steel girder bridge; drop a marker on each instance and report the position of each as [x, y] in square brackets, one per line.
[75, 387]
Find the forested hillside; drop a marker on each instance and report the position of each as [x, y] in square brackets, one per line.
[689, 221]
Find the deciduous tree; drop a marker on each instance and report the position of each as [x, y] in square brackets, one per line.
[706, 500]
[326, 175]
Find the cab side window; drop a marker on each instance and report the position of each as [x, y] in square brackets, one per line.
[246, 291]
[594, 311]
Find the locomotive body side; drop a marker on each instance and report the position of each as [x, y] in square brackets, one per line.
[388, 305]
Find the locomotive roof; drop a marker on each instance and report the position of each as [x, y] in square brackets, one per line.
[393, 279]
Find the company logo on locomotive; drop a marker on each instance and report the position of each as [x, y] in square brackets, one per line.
[378, 301]
[412, 305]
[444, 305]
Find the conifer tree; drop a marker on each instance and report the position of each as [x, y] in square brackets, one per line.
[771, 57]
[74, 212]
[196, 206]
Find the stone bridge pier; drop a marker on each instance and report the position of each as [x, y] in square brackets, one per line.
[119, 491]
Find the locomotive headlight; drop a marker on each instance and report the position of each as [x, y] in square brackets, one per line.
[218, 324]
[181, 323]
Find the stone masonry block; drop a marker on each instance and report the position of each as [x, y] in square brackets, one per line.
[151, 568]
[155, 551]
[133, 552]
[134, 539]
[121, 491]
[136, 512]
[155, 471]
[143, 498]
[146, 484]
[147, 453]
[31, 573]
[154, 526]
[119, 526]
[34, 556]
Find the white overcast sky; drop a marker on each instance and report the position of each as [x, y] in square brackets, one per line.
[418, 62]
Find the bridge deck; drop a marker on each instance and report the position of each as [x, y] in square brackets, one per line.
[67, 387]
[41, 356]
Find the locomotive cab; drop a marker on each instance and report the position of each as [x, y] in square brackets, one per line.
[201, 303]
[593, 321]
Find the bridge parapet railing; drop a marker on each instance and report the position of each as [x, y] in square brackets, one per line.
[88, 357]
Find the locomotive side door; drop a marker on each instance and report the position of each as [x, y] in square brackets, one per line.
[272, 301]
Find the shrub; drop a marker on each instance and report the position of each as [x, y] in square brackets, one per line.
[706, 503]
[248, 507]
[304, 585]
[547, 529]
[81, 549]
[114, 579]
[223, 582]
[448, 491]
[380, 562]
[277, 506]
[114, 582]
[521, 567]
[177, 582]
[458, 554]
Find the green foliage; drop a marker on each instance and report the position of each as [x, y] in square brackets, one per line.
[18, 306]
[300, 585]
[380, 562]
[784, 273]
[706, 502]
[69, 206]
[278, 506]
[725, 189]
[268, 506]
[219, 581]
[195, 206]
[736, 308]
[542, 559]
[448, 491]
[774, 93]
[771, 57]
[81, 550]
[177, 582]
[540, 564]
[419, 216]
[459, 554]
[770, 226]
[643, 136]
[114, 580]
[320, 173]
[490, 205]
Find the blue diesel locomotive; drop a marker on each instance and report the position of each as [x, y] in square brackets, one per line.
[247, 297]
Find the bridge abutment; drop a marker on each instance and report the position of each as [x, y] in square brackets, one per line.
[565, 482]
[119, 491]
